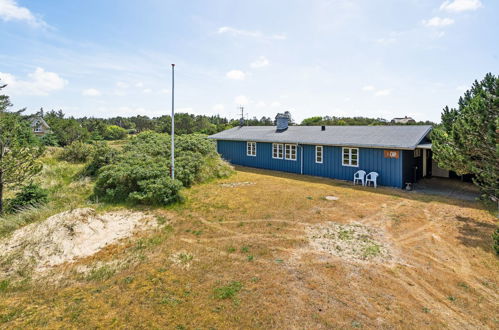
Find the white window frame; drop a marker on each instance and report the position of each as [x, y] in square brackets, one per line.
[38, 129]
[289, 155]
[321, 148]
[349, 156]
[277, 150]
[417, 153]
[251, 149]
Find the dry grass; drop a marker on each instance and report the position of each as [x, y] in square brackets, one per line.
[239, 257]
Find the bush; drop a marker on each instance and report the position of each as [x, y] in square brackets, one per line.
[140, 180]
[49, 140]
[114, 132]
[102, 155]
[29, 195]
[495, 237]
[140, 174]
[76, 152]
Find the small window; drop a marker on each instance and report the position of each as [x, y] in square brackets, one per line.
[351, 157]
[251, 149]
[417, 153]
[318, 154]
[290, 153]
[277, 150]
[38, 129]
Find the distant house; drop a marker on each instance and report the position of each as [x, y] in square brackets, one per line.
[404, 120]
[400, 154]
[39, 125]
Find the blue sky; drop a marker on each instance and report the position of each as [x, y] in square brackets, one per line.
[326, 57]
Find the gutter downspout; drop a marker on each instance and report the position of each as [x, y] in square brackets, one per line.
[301, 159]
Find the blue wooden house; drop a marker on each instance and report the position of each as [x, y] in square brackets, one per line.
[400, 154]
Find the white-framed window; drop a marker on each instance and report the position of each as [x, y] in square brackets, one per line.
[251, 149]
[37, 129]
[417, 153]
[277, 150]
[350, 157]
[319, 150]
[290, 151]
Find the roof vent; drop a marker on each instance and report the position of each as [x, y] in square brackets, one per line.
[323, 128]
[282, 121]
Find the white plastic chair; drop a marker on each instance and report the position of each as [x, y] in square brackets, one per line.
[359, 176]
[371, 177]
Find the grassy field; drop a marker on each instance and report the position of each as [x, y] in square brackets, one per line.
[267, 250]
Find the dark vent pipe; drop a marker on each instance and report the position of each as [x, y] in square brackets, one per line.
[323, 128]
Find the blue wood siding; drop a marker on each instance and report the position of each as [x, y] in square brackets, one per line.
[390, 170]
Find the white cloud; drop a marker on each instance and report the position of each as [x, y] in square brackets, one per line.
[375, 91]
[236, 75]
[139, 84]
[91, 92]
[275, 104]
[383, 92]
[39, 82]
[146, 90]
[218, 107]
[438, 22]
[165, 91]
[241, 100]
[260, 62]
[461, 5]
[245, 33]
[121, 84]
[261, 104]
[10, 10]
[386, 41]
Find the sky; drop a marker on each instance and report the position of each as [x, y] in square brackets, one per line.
[107, 58]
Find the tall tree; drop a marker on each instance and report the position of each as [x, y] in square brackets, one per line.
[467, 140]
[19, 149]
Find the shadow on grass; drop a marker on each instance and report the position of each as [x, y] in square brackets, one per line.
[473, 233]
[394, 192]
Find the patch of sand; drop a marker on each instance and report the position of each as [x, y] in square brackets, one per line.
[353, 242]
[67, 236]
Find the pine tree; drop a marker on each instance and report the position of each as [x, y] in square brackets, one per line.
[19, 149]
[467, 140]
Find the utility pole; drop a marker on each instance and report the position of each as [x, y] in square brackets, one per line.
[172, 167]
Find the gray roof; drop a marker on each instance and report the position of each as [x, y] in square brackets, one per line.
[396, 137]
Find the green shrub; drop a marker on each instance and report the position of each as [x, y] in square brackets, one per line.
[102, 155]
[49, 140]
[76, 152]
[113, 132]
[495, 237]
[29, 195]
[140, 173]
[137, 179]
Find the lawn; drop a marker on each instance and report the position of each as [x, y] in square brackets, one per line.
[264, 249]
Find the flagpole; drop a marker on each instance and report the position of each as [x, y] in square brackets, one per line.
[172, 168]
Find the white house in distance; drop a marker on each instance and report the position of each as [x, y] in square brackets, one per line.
[403, 120]
[39, 125]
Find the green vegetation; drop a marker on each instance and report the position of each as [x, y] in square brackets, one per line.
[140, 173]
[30, 195]
[495, 237]
[228, 291]
[76, 152]
[114, 132]
[19, 149]
[353, 121]
[466, 142]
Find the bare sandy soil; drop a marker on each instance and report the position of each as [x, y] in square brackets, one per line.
[277, 254]
[66, 237]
